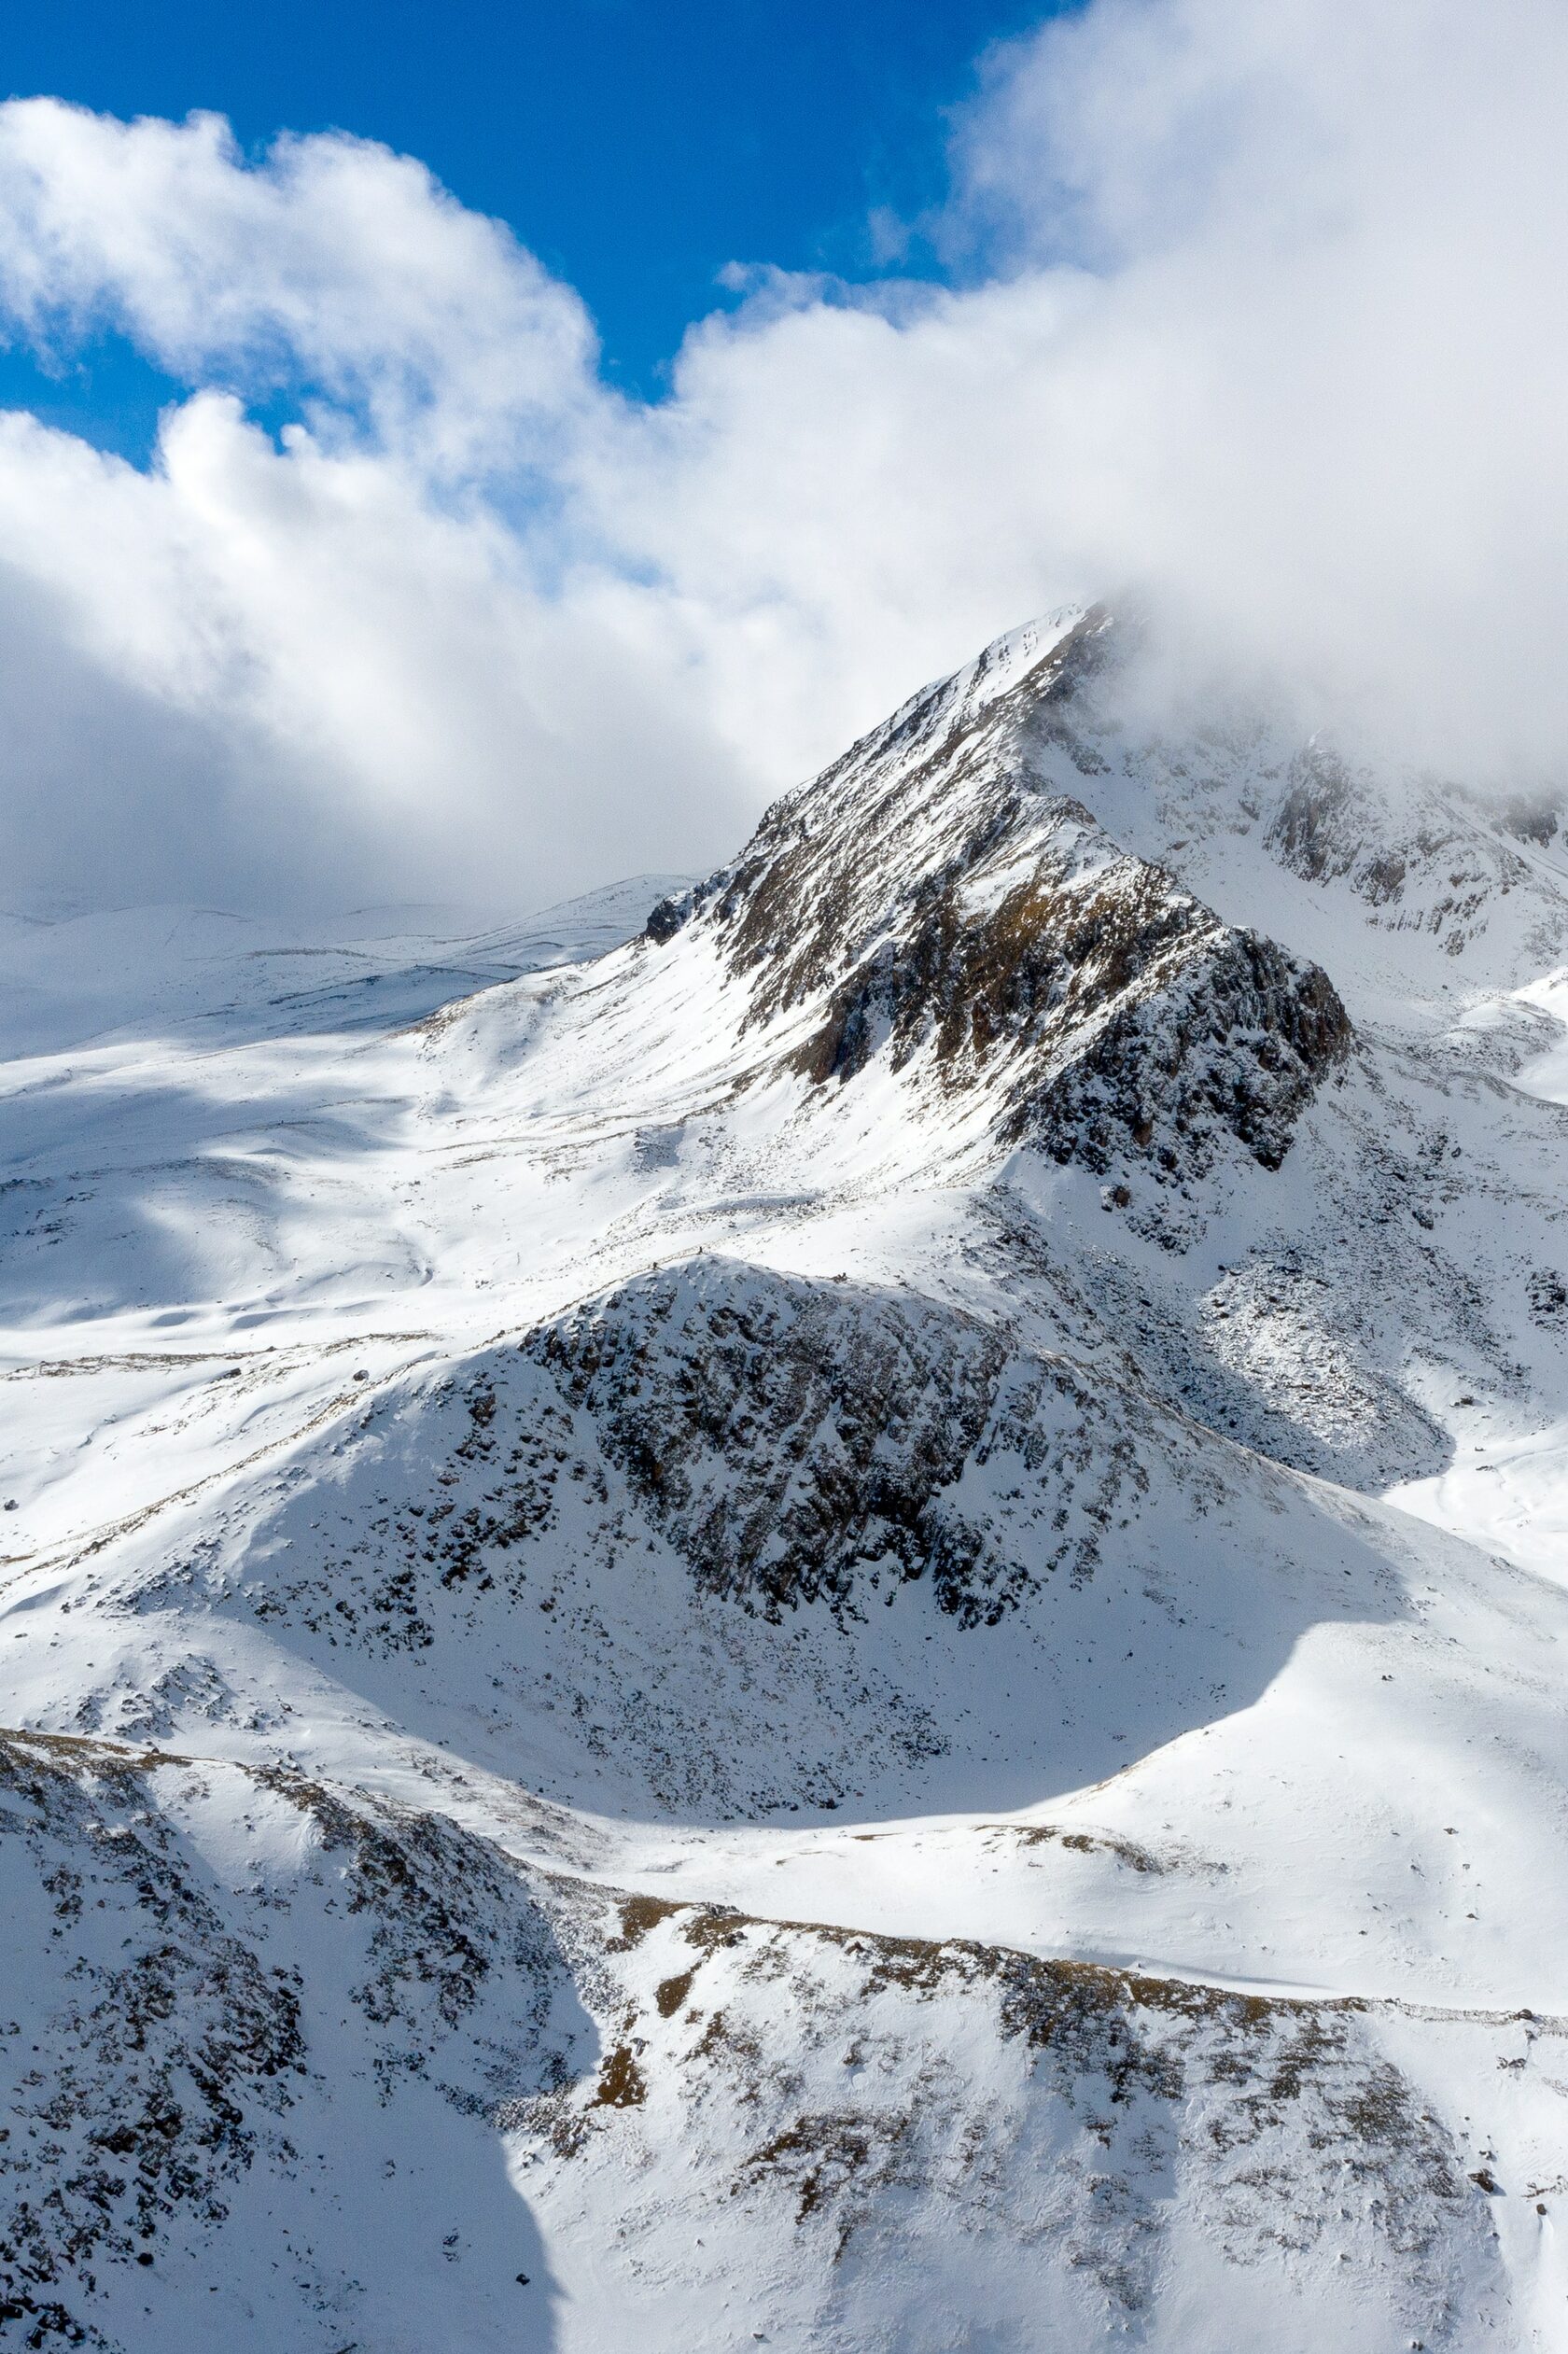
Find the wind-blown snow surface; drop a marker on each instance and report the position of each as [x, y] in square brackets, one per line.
[842, 1631]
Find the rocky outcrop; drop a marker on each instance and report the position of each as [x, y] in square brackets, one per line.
[1125, 1020]
[258, 1965]
[1419, 856]
[799, 1442]
[929, 901]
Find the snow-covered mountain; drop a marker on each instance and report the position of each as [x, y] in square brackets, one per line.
[843, 1626]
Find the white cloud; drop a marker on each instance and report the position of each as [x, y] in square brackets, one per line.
[1264, 304]
[334, 259]
[1331, 326]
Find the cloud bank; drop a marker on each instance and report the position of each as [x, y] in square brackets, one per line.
[1263, 306]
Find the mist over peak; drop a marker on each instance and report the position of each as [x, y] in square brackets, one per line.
[1264, 310]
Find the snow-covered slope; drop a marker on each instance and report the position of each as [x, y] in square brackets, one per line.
[70, 980]
[842, 1630]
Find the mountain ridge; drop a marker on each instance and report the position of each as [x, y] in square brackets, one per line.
[813, 1601]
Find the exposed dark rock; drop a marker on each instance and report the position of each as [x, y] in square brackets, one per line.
[667, 917]
[933, 901]
[180, 2052]
[1422, 858]
[789, 1438]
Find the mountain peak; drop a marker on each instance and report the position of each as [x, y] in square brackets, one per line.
[935, 902]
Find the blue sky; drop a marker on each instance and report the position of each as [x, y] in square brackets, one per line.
[413, 593]
[636, 147]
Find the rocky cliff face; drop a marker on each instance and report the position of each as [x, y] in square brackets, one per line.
[1419, 858]
[802, 1443]
[227, 1973]
[931, 901]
